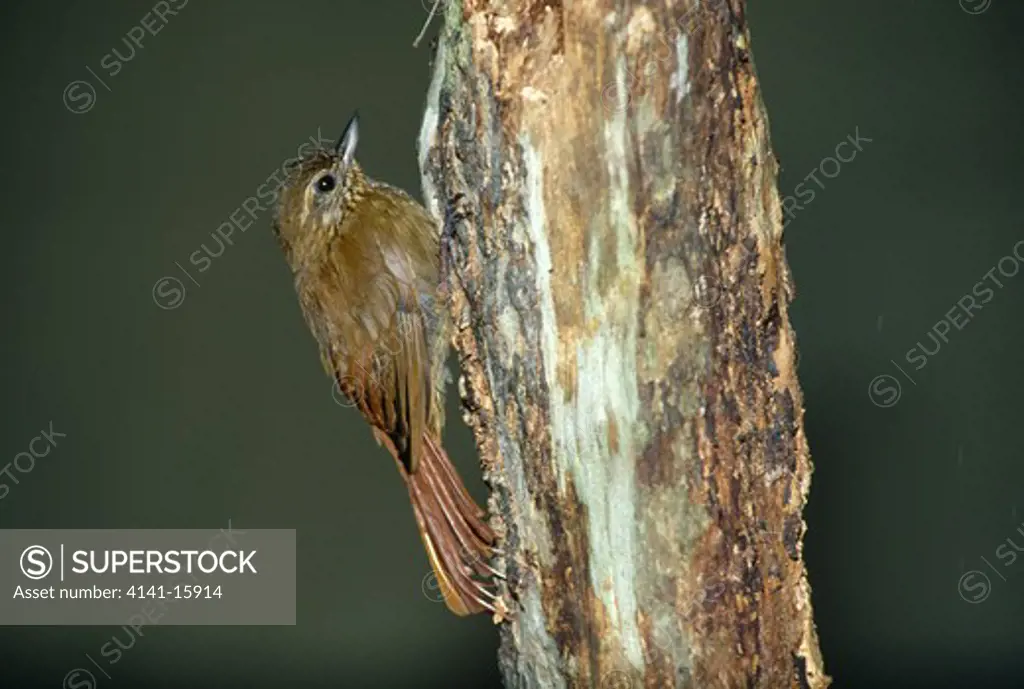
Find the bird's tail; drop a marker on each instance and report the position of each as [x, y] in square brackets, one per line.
[458, 541]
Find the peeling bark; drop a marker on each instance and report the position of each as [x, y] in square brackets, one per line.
[612, 254]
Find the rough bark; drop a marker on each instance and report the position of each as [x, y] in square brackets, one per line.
[612, 252]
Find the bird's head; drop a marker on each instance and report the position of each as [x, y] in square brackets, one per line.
[320, 192]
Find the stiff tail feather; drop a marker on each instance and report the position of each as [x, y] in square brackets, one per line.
[458, 541]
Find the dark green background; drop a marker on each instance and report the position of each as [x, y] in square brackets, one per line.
[219, 410]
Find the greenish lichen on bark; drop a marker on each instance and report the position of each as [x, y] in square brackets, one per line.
[612, 254]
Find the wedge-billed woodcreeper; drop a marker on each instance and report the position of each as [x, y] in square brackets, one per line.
[365, 258]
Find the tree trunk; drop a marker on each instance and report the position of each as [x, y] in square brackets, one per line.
[612, 252]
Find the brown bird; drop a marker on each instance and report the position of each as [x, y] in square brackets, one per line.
[365, 259]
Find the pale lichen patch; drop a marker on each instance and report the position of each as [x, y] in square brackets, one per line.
[639, 29]
[605, 386]
[534, 95]
[428, 133]
[536, 225]
[679, 81]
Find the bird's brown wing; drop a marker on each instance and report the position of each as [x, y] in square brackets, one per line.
[389, 383]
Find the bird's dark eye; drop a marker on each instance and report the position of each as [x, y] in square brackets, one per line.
[325, 183]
